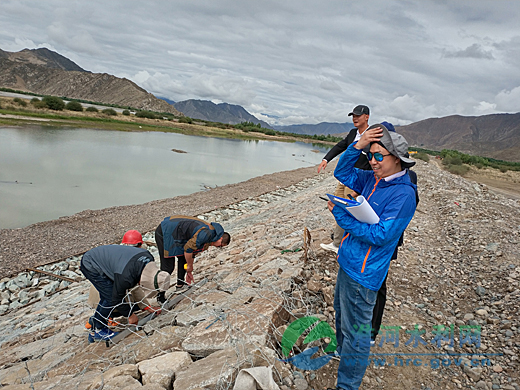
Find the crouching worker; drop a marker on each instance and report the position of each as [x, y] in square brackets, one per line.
[137, 295]
[114, 269]
[182, 237]
[365, 250]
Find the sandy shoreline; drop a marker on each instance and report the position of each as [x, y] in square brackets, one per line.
[53, 240]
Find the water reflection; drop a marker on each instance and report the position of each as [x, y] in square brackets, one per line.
[50, 172]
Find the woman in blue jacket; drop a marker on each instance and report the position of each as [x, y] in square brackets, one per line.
[365, 251]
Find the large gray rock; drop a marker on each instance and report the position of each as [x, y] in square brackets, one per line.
[162, 369]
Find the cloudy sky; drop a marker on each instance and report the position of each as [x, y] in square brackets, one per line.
[292, 62]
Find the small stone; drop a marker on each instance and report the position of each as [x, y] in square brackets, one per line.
[497, 368]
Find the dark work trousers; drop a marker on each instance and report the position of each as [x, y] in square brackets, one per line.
[104, 309]
[379, 308]
[168, 263]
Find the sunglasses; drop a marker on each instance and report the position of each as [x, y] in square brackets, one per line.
[378, 156]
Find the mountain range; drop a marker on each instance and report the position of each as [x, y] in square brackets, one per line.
[222, 112]
[495, 135]
[45, 72]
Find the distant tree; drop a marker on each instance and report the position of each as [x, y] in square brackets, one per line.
[126, 112]
[91, 109]
[74, 106]
[109, 111]
[54, 103]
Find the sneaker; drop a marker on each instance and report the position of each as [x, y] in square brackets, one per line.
[372, 343]
[181, 288]
[101, 335]
[330, 247]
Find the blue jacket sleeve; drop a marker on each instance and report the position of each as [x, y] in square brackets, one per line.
[392, 222]
[345, 172]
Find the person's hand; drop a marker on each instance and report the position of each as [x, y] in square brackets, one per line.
[368, 136]
[330, 205]
[153, 309]
[189, 277]
[133, 319]
[322, 165]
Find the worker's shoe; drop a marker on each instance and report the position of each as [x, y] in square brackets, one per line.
[330, 247]
[104, 334]
[180, 288]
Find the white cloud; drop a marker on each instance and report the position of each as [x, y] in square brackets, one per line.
[288, 62]
[508, 101]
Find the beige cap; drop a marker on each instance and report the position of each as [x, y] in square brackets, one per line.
[154, 280]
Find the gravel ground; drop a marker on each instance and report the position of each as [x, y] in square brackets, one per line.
[49, 241]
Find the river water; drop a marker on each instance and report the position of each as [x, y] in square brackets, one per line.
[46, 172]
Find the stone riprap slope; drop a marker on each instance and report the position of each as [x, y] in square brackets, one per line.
[459, 269]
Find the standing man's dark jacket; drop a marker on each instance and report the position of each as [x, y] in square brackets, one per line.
[341, 146]
[188, 234]
[121, 264]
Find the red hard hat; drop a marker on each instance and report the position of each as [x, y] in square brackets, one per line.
[132, 237]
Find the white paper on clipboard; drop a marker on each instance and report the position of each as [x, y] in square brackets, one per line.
[362, 212]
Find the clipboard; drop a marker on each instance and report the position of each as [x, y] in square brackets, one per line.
[359, 209]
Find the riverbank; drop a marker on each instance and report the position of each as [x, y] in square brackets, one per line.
[13, 115]
[458, 271]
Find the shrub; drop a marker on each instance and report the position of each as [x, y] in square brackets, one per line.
[54, 103]
[109, 111]
[38, 104]
[145, 114]
[503, 169]
[452, 160]
[74, 106]
[34, 100]
[479, 165]
[423, 156]
[20, 102]
[185, 119]
[460, 170]
[126, 112]
[91, 109]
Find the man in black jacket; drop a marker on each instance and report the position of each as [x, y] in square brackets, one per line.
[360, 115]
[114, 269]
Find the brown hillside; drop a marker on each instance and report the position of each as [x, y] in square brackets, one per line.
[496, 135]
[32, 72]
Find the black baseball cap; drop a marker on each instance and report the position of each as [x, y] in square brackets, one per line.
[360, 110]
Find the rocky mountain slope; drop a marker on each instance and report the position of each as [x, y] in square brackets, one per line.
[453, 296]
[45, 72]
[496, 135]
[222, 112]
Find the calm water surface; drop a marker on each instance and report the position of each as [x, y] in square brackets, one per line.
[46, 173]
